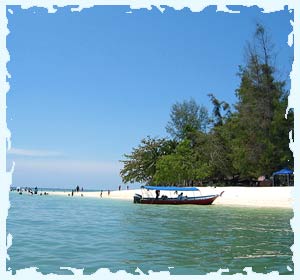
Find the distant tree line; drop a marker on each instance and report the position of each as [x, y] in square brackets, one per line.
[235, 143]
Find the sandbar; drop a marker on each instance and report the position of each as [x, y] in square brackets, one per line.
[279, 197]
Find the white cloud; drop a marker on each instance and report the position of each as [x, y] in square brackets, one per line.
[32, 153]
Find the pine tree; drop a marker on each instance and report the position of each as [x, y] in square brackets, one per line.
[262, 134]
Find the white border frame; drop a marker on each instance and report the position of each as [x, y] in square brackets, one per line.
[195, 6]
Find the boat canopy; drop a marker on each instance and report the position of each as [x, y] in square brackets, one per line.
[167, 188]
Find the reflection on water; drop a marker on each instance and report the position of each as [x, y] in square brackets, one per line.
[52, 232]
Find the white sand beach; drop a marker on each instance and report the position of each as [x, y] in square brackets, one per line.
[236, 196]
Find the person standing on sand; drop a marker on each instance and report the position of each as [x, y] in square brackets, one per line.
[108, 192]
[77, 188]
[119, 187]
[101, 194]
[72, 192]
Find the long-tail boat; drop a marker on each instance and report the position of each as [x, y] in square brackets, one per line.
[177, 195]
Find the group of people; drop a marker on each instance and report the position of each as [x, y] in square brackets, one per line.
[77, 189]
[157, 194]
[28, 190]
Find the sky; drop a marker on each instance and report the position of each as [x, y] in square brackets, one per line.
[87, 86]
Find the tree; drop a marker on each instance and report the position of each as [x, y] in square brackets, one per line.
[182, 167]
[260, 112]
[186, 117]
[140, 165]
[282, 156]
[248, 142]
[221, 110]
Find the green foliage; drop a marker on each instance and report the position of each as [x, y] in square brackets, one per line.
[261, 145]
[279, 131]
[182, 167]
[246, 143]
[221, 110]
[186, 117]
[140, 165]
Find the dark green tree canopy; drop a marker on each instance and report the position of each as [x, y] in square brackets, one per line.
[260, 112]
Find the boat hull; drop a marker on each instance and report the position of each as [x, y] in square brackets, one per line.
[200, 200]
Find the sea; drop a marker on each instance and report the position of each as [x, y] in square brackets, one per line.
[50, 232]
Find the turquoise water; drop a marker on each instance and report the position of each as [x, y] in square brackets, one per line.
[50, 232]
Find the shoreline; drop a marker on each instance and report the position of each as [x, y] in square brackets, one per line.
[278, 197]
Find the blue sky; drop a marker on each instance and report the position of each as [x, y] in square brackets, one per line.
[87, 87]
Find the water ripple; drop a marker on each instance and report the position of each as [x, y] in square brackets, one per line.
[53, 232]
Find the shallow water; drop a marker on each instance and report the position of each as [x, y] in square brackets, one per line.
[50, 232]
